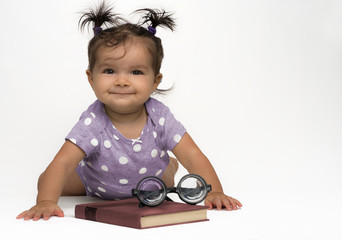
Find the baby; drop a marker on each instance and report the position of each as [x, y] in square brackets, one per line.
[125, 134]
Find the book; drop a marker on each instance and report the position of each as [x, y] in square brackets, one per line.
[127, 213]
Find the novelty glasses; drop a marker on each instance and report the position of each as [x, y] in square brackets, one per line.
[152, 191]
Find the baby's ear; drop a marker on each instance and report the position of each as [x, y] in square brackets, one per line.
[157, 81]
[158, 78]
[90, 77]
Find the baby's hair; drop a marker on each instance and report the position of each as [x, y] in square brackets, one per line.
[157, 18]
[102, 15]
[119, 30]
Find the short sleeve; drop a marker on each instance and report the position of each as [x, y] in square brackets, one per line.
[85, 134]
[173, 130]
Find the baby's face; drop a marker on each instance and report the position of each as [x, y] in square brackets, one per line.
[123, 78]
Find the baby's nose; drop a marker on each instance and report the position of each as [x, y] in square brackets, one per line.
[122, 81]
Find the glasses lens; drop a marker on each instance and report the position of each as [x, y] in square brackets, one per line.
[192, 189]
[151, 191]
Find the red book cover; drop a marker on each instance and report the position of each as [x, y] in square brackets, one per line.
[127, 213]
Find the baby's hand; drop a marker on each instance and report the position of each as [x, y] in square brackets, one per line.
[44, 209]
[219, 200]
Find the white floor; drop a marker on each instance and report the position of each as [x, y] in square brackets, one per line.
[273, 216]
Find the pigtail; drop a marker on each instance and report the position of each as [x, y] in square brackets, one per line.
[102, 15]
[155, 18]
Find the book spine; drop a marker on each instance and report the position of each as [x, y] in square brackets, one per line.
[90, 213]
[101, 215]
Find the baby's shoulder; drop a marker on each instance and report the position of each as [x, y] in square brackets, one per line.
[93, 119]
[156, 107]
[159, 113]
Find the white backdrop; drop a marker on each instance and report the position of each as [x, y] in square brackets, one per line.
[258, 85]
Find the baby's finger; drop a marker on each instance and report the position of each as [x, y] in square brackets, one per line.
[38, 214]
[58, 212]
[217, 203]
[235, 203]
[29, 215]
[238, 203]
[227, 204]
[22, 215]
[46, 214]
[208, 204]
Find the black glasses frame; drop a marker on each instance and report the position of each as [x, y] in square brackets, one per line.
[182, 192]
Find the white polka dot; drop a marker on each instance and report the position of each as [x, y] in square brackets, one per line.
[162, 153]
[87, 121]
[142, 170]
[177, 138]
[94, 142]
[89, 189]
[82, 163]
[97, 194]
[154, 153]
[159, 172]
[162, 121]
[153, 110]
[154, 134]
[123, 181]
[73, 140]
[137, 148]
[116, 137]
[103, 183]
[93, 115]
[107, 144]
[104, 168]
[123, 160]
[101, 189]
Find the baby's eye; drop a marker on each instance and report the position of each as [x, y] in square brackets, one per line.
[137, 72]
[109, 71]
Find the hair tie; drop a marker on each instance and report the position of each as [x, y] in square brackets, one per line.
[97, 30]
[152, 30]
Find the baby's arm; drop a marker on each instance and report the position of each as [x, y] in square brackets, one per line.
[53, 181]
[192, 158]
